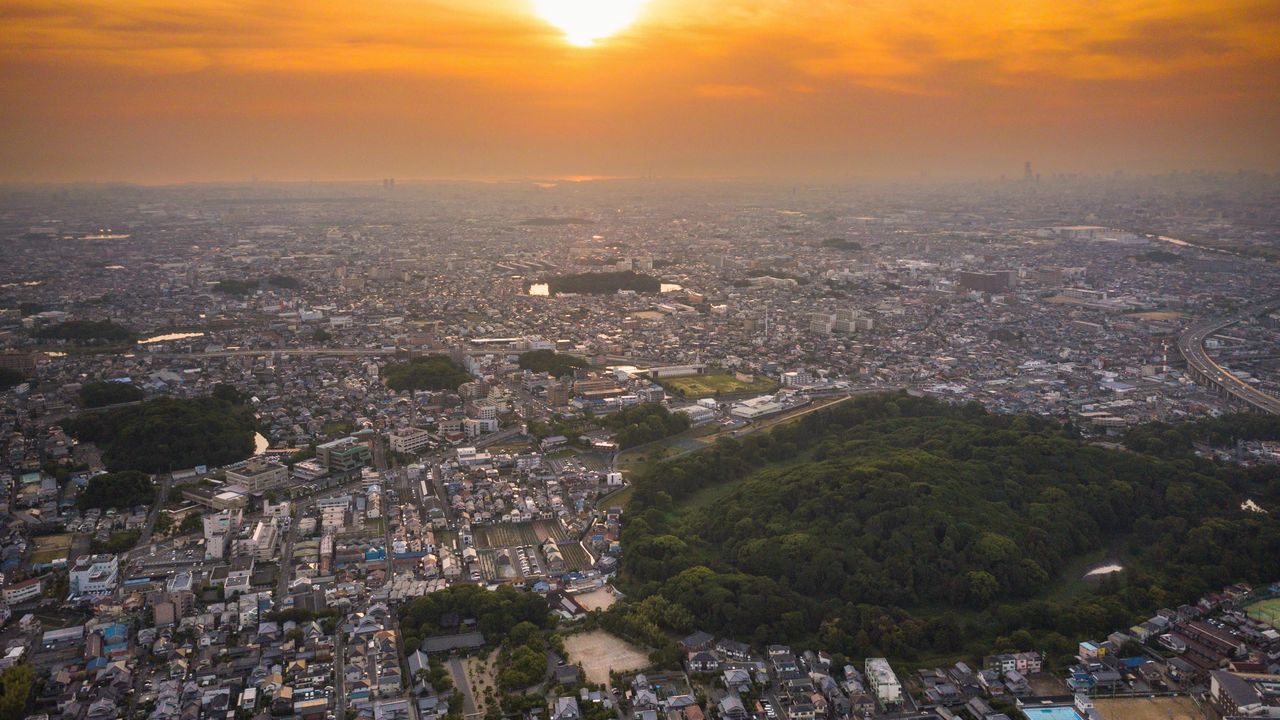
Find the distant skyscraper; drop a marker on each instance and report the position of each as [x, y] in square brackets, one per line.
[1026, 172]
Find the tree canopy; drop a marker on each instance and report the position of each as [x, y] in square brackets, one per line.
[101, 394]
[550, 361]
[239, 288]
[118, 490]
[169, 433]
[603, 283]
[640, 424]
[11, 378]
[495, 612]
[429, 372]
[85, 331]
[854, 528]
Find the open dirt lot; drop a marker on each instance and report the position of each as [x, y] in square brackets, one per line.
[599, 599]
[599, 652]
[1164, 708]
[51, 547]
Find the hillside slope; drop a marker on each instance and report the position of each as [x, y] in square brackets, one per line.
[904, 526]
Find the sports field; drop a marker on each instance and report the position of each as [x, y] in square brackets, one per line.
[700, 386]
[1268, 611]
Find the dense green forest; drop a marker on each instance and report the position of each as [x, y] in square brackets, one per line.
[236, 287]
[168, 433]
[287, 282]
[101, 394]
[1220, 432]
[902, 526]
[550, 361]
[10, 378]
[117, 490]
[603, 283]
[429, 372]
[86, 331]
[640, 424]
[495, 613]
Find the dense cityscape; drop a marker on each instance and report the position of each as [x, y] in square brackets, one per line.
[368, 450]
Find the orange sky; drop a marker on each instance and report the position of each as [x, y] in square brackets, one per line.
[183, 90]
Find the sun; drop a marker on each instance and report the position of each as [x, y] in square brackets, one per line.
[583, 22]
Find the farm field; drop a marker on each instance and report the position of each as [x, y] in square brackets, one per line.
[599, 652]
[513, 534]
[700, 386]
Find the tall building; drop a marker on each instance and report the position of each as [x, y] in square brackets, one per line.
[409, 440]
[259, 473]
[884, 683]
[344, 455]
[94, 575]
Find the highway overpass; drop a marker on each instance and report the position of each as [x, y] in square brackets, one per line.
[1208, 373]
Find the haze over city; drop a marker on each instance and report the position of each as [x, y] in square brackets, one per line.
[158, 91]
[639, 360]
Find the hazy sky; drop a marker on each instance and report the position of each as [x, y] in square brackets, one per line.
[190, 90]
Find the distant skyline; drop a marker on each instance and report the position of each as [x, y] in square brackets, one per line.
[161, 91]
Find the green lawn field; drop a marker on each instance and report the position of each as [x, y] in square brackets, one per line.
[700, 386]
[1267, 611]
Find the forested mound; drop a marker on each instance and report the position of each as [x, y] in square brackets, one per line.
[169, 433]
[903, 526]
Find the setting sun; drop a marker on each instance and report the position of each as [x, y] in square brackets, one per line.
[583, 22]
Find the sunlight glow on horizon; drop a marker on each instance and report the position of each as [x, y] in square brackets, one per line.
[584, 22]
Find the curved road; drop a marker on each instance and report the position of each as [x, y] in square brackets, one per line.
[1191, 346]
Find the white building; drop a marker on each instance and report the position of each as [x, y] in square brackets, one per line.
[94, 575]
[333, 511]
[218, 529]
[884, 683]
[23, 591]
[258, 473]
[697, 414]
[262, 543]
[409, 440]
[756, 408]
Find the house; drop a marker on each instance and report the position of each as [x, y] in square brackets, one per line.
[703, 661]
[699, 640]
[731, 708]
[734, 650]
[568, 675]
[566, 708]
[737, 680]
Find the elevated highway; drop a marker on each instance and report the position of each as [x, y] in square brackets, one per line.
[1208, 373]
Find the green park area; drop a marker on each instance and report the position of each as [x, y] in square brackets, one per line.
[701, 386]
[1267, 611]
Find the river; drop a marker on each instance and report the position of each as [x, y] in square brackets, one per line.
[170, 336]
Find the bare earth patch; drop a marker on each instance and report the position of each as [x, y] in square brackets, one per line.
[599, 652]
[1162, 708]
[599, 599]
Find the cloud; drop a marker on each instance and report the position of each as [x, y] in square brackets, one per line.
[729, 91]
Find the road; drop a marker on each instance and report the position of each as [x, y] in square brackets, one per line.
[459, 671]
[161, 498]
[1207, 371]
[340, 669]
[286, 559]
